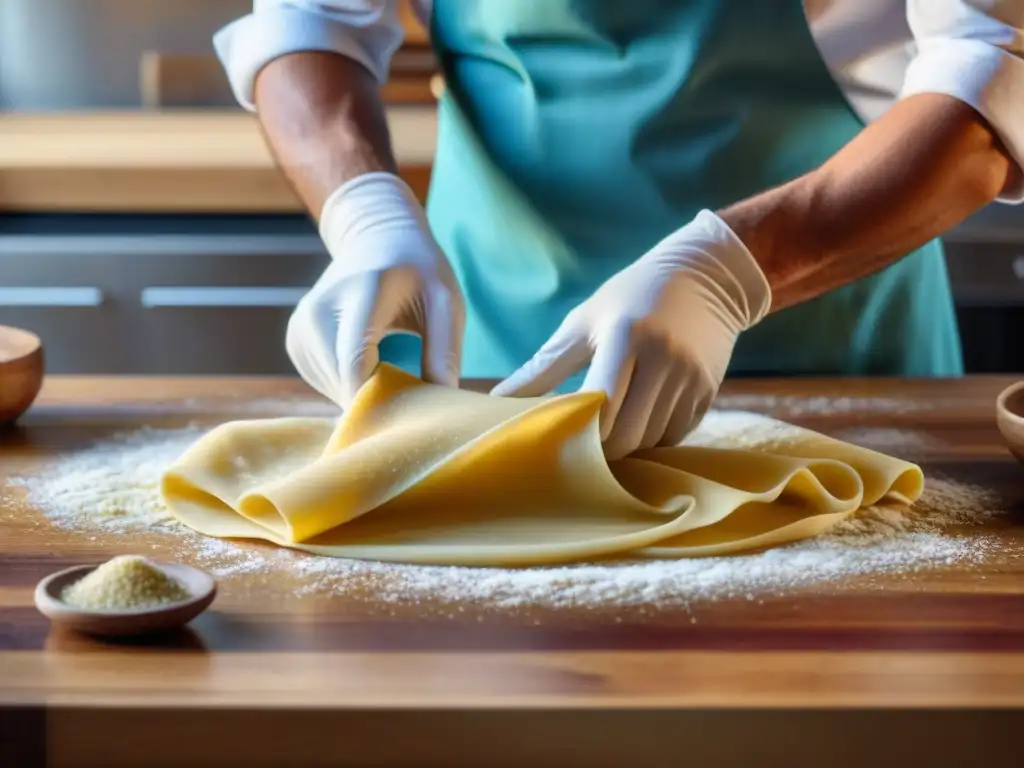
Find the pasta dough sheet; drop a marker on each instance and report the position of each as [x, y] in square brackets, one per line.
[418, 473]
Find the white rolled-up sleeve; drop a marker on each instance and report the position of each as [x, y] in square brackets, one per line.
[366, 31]
[973, 50]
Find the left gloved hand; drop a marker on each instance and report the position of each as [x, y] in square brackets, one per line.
[658, 336]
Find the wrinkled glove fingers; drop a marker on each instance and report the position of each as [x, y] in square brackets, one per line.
[695, 399]
[363, 315]
[309, 341]
[664, 405]
[645, 387]
[442, 338]
[610, 372]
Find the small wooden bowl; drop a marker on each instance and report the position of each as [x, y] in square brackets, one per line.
[200, 585]
[21, 372]
[1010, 418]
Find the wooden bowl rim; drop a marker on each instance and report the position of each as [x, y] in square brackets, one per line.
[1003, 404]
[26, 344]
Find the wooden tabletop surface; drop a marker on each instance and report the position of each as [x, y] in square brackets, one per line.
[898, 666]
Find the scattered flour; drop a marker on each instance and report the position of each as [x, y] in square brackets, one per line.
[112, 489]
[889, 440]
[265, 406]
[793, 405]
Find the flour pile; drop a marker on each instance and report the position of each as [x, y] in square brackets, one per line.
[112, 489]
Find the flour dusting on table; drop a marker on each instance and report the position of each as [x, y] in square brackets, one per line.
[112, 488]
[793, 405]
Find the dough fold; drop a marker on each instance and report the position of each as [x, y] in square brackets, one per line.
[418, 473]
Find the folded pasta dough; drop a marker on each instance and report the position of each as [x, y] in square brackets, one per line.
[418, 473]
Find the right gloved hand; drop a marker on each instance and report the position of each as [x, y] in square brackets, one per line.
[387, 275]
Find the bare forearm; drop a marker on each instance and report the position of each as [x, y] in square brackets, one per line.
[322, 116]
[925, 166]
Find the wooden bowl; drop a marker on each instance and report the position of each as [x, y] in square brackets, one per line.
[21, 371]
[200, 585]
[1010, 418]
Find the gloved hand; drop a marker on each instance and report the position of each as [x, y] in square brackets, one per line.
[658, 336]
[387, 275]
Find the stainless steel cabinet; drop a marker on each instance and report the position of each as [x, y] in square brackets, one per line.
[212, 295]
[986, 269]
[201, 303]
[988, 286]
[986, 274]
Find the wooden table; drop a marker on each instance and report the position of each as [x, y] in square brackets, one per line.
[921, 668]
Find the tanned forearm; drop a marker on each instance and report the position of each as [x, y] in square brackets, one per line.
[322, 116]
[921, 169]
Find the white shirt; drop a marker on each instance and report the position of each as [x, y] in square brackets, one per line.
[878, 50]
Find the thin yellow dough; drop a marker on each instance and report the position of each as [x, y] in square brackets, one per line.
[418, 473]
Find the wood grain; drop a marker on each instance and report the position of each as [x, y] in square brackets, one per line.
[193, 81]
[269, 675]
[415, 32]
[175, 162]
[183, 80]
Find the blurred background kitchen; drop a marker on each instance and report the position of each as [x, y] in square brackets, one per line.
[144, 228]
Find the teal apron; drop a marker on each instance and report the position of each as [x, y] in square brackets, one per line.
[575, 134]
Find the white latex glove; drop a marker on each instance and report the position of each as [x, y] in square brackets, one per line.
[387, 275]
[658, 336]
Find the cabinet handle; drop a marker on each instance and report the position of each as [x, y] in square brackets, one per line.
[31, 296]
[215, 296]
[201, 246]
